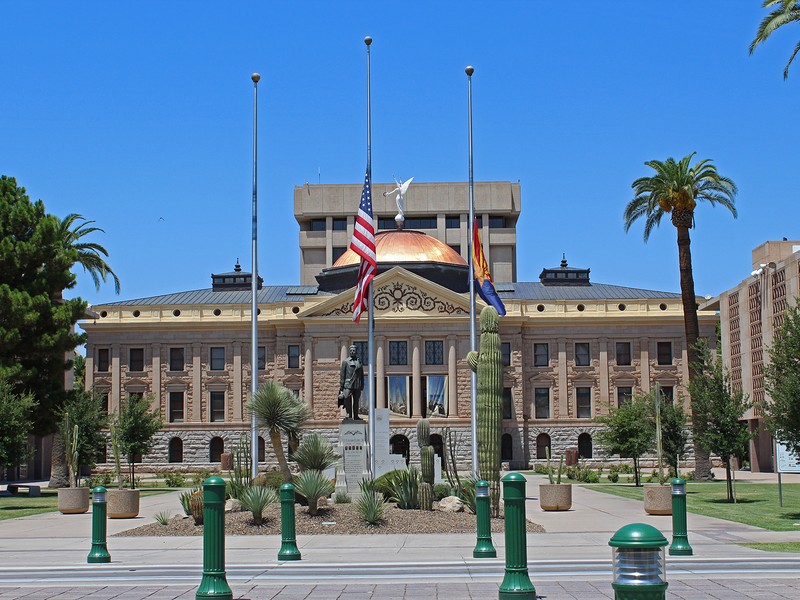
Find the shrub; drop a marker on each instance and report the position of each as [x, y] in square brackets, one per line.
[199, 477]
[184, 499]
[371, 504]
[273, 479]
[384, 484]
[405, 487]
[315, 453]
[104, 479]
[162, 518]
[441, 490]
[175, 480]
[625, 468]
[342, 498]
[256, 499]
[466, 493]
[540, 468]
[583, 473]
[313, 485]
[613, 476]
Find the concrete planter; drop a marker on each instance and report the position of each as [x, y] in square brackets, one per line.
[657, 499]
[555, 496]
[123, 504]
[73, 501]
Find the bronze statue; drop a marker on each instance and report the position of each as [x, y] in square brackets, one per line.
[351, 382]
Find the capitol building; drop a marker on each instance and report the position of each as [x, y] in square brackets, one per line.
[572, 347]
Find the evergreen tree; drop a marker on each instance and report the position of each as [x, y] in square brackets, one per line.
[136, 425]
[782, 379]
[629, 431]
[15, 425]
[85, 409]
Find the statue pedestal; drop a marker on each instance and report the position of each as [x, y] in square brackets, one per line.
[353, 466]
[385, 462]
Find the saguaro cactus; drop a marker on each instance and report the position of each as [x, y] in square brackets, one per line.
[488, 364]
[426, 464]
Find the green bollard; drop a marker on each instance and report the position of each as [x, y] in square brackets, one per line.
[680, 539]
[639, 566]
[99, 551]
[516, 583]
[214, 584]
[288, 549]
[484, 547]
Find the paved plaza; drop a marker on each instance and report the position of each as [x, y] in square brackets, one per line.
[44, 557]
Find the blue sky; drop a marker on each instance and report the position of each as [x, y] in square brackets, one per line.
[139, 116]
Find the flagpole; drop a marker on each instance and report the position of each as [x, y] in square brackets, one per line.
[371, 316]
[254, 284]
[472, 341]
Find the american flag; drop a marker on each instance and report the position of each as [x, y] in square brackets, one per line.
[363, 244]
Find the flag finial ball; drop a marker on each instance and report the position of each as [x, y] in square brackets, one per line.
[469, 70]
[255, 77]
[368, 40]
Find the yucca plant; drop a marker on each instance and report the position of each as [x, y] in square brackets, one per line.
[162, 518]
[313, 485]
[256, 499]
[405, 488]
[315, 452]
[370, 505]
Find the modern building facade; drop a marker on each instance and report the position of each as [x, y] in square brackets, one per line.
[750, 313]
[572, 348]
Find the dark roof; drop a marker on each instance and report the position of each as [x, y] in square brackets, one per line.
[523, 290]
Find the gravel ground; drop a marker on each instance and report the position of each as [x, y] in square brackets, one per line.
[340, 519]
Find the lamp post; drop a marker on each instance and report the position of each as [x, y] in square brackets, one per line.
[99, 551]
[639, 564]
[680, 539]
[254, 285]
[484, 547]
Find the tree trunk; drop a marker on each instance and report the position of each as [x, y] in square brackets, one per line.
[728, 482]
[59, 476]
[277, 446]
[636, 471]
[702, 459]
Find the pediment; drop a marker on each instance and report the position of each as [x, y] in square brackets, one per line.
[398, 294]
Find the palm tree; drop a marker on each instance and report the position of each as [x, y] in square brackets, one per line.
[785, 11]
[675, 189]
[280, 412]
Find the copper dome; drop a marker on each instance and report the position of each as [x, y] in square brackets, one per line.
[406, 246]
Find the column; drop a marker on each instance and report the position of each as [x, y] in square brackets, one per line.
[116, 381]
[197, 384]
[644, 360]
[452, 376]
[344, 347]
[308, 371]
[380, 371]
[89, 377]
[156, 389]
[603, 376]
[238, 399]
[563, 388]
[416, 378]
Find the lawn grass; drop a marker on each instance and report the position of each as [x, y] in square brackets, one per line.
[757, 503]
[775, 546]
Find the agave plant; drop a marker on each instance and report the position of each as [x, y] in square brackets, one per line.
[315, 452]
[405, 487]
[256, 499]
[313, 485]
[370, 505]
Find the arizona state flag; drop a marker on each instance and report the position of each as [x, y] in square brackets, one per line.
[483, 279]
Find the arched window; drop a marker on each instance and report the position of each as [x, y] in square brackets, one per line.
[176, 450]
[438, 447]
[262, 450]
[585, 445]
[216, 448]
[398, 444]
[542, 444]
[506, 450]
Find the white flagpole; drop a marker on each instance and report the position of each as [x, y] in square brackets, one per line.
[371, 316]
[254, 284]
[472, 341]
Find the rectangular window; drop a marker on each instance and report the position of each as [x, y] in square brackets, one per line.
[386, 223]
[541, 403]
[317, 224]
[136, 359]
[398, 352]
[176, 407]
[436, 390]
[623, 353]
[583, 396]
[217, 401]
[103, 401]
[218, 358]
[456, 248]
[667, 393]
[420, 223]
[262, 358]
[505, 353]
[102, 360]
[582, 354]
[541, 355]
[496, 222]
[135, 396]
[624, 396]
[398, 394]
[434, 352]
[452, 222]
[508, 404]
[339, 224]
[294, 356]
[337, 252]
[479, 220]
[664, 351]
[176, 360]
[362, 352]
